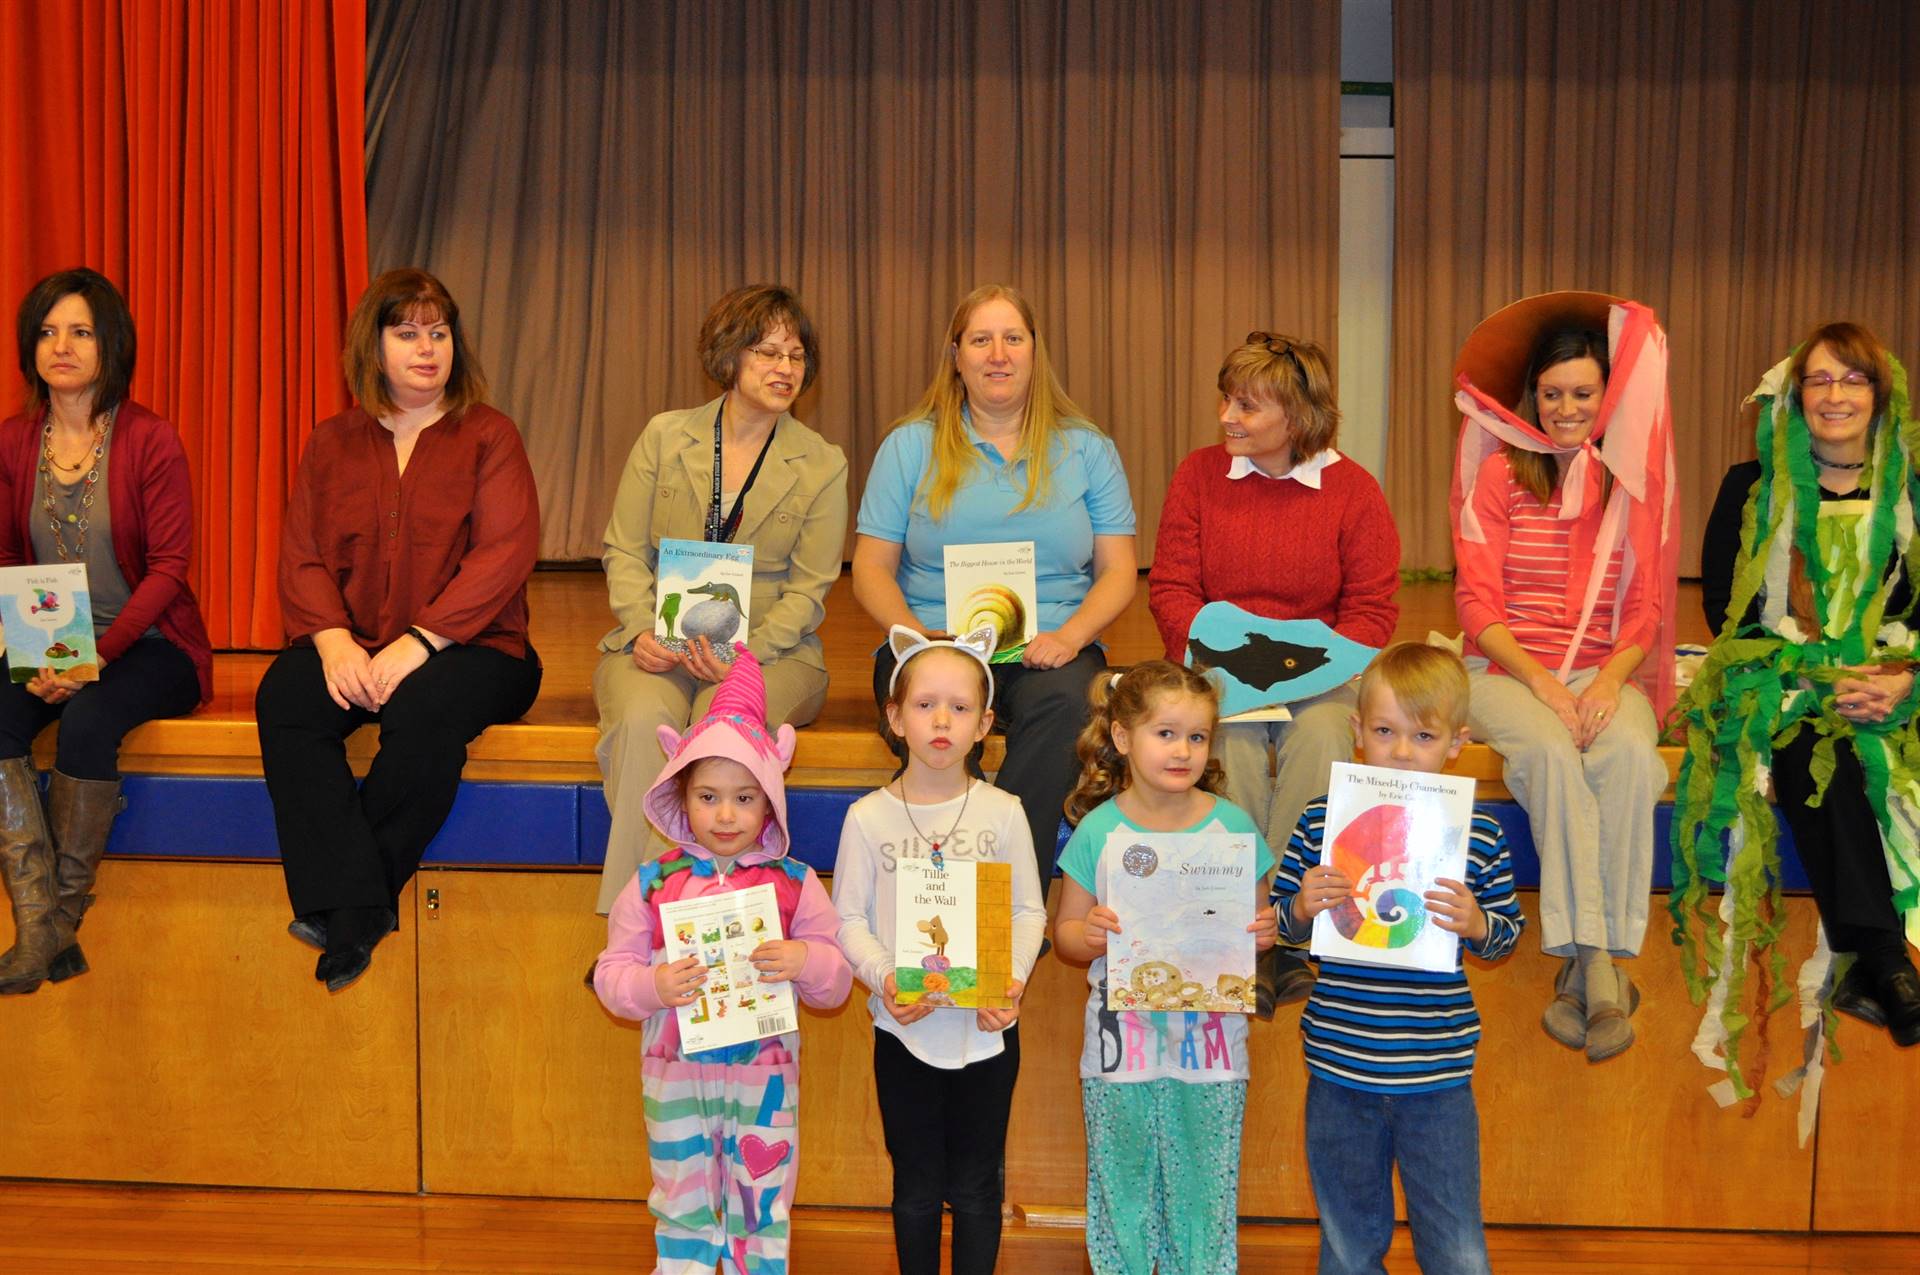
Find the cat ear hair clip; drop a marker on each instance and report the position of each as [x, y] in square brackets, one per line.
[907, 643]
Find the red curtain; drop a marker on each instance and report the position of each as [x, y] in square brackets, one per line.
[206, 155]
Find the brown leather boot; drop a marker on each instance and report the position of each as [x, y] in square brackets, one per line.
[42, 939]
[81, 814]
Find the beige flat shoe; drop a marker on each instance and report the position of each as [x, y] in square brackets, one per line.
[1608, 1031]
[1566, 1016]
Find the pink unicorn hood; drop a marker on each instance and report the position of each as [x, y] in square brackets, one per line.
[735, 728]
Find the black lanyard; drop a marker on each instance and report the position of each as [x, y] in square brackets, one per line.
[721, 529]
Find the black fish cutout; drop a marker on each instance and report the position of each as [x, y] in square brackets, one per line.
[1264, 662]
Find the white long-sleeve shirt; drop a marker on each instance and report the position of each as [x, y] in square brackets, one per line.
[877, 833]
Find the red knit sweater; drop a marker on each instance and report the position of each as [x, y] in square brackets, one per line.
[1277, 548]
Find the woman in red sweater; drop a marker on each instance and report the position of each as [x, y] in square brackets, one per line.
[404, 560]
[1277, 522]
[79, 439]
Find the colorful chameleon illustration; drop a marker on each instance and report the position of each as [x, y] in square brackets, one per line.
[1375, 845]
[44, 600]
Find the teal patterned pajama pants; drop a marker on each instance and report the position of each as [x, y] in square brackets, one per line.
[1163, 1176]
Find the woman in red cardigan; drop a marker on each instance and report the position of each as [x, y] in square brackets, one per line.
[80, 438]
[1277, 522]
[404, 560]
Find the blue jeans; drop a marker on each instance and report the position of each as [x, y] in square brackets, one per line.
[1354, 1138]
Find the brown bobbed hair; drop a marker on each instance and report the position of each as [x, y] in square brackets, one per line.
[1049, 410]
[406, 295]
[741, 319]
[1855, 345]
[112, 335]
[897, 744]
[1125, 697]
[1539, 472]
[1294, 374]
[1429, 683]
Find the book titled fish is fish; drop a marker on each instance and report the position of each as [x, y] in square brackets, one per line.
[705, 590]
[47, 615]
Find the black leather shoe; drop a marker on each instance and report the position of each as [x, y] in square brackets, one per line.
[340, 970]
[1855, 997]
[309, 930]
[1900, 997]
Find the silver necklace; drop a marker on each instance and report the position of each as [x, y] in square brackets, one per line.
[939, 861]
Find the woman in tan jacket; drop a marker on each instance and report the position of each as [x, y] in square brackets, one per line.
[740, 469]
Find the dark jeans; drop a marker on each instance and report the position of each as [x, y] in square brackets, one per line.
[946, 1131]
[344, 845]
[1041, 711]
[152, 678]
[1839, 845]
[1354, 1138]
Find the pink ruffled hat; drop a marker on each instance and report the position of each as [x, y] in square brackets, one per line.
[735, 728]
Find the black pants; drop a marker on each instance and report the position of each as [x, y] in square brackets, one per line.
[1839, 846]
[152, 678]
[946, 1131]
[1041, 711]
[345, 846]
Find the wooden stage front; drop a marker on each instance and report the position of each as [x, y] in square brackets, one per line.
[471, 1062]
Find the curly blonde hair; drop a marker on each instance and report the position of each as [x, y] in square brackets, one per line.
[1125, 697]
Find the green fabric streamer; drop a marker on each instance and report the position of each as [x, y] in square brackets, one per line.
[1758, 689]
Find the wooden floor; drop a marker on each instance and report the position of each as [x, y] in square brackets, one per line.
[84, 1230]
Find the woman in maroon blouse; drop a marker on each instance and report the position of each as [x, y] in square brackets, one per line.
[79, 435]
[409, 538]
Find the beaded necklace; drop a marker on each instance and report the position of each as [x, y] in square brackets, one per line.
[78, 519]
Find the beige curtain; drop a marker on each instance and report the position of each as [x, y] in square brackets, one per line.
[1159, 177]
[1747, 169]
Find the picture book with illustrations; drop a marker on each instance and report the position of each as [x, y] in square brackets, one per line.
[1184, 900]
[722, 930]
[953, 933]
[704, 589]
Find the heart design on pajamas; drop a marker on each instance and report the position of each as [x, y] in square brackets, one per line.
[762, 1159]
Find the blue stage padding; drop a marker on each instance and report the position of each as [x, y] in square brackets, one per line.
[565, 825]
[1526, 859]
[215, 817]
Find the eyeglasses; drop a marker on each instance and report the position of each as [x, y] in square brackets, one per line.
[773, 358]
[1280, 345]
[1852, 382]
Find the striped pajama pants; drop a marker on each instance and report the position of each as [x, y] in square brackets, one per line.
[724, 1143]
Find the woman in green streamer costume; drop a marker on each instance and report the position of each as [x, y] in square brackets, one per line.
[1807, 574]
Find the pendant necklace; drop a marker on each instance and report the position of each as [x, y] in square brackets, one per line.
[939, 861]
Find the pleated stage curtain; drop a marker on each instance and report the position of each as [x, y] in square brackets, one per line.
[206, 156]
[1159, 177]
[1748, 170]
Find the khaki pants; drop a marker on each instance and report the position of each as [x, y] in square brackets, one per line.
[1591, 813]
[633, 704]
[1320, 734]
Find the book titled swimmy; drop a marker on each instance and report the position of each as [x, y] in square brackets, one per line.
[1393, 833]
[994, 584]
[1184, 900]
[722, 930]
[705, 589]
[953, 933]
[46, 613]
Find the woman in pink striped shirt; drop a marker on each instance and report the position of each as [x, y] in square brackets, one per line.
[1561, 602]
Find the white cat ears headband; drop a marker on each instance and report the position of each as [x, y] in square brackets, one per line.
[907, 643]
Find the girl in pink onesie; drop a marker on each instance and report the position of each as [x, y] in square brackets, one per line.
[722, 1125]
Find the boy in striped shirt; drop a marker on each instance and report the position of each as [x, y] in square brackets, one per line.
[1390, 1051]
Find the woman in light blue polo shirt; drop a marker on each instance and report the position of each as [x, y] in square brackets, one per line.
[996, 451]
